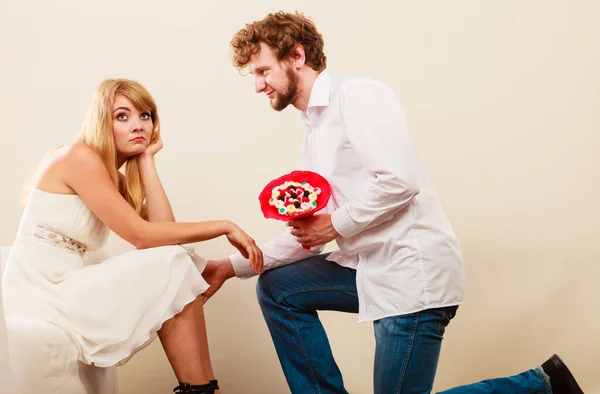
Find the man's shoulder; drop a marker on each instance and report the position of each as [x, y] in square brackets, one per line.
[349, 84]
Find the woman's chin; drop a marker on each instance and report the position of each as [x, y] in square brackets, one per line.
[131, 153]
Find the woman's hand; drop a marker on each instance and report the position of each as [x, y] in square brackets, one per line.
[247, 247]
[153, 148]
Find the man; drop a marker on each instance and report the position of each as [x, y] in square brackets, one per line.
[399, 264]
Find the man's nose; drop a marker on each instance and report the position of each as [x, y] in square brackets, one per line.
[259, 84]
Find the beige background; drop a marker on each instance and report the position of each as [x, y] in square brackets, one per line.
[503, 98]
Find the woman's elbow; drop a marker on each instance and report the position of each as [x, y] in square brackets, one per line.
[139, 242]
[141, 239]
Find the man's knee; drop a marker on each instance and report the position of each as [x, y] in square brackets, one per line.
[264, 288]
[273, 284]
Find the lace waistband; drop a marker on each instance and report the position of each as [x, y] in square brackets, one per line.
[59, 240]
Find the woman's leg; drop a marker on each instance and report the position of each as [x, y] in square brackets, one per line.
[187, 353]
[203, 339]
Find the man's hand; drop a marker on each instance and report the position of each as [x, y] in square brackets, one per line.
[215, 274]
[313, 230]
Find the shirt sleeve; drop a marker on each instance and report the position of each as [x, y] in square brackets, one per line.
[281, 250]
[377, 130]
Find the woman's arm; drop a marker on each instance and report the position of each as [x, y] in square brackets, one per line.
[159, 208]
[85, 173]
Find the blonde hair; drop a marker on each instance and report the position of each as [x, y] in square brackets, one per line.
[97, 132]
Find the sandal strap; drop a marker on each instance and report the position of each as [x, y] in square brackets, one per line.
[185, 388]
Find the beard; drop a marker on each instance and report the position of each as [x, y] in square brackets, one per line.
[288, 96]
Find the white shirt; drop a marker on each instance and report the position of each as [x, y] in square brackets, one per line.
[392, 228]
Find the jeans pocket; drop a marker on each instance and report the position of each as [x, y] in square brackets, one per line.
[448, 314]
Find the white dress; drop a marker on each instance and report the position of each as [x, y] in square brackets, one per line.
[109, 308]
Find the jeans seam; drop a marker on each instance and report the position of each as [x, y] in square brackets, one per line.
[406, 359]
[439, 330]
[321, 288]
[304, 352]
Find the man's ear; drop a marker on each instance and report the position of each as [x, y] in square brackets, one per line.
[298, 56]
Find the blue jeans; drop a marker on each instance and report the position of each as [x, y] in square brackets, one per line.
[533, 381]
[407, 347]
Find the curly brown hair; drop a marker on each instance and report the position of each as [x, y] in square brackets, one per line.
[281, 31]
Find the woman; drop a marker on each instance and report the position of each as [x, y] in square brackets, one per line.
[113, 308]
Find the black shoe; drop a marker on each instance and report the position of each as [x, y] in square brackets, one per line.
[561, 379]
[185, 388]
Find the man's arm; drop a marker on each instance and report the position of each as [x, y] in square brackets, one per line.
[377, 130]
[281, 250]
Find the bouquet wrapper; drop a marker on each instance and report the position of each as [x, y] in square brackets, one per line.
[296, 195]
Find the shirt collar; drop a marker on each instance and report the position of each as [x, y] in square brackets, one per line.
[319, 95]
